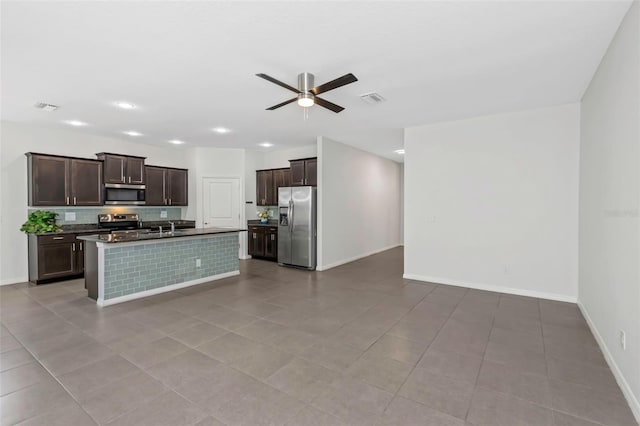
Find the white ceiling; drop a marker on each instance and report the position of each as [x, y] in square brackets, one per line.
[190, 66]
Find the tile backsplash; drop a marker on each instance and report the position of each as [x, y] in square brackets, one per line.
[85, 215]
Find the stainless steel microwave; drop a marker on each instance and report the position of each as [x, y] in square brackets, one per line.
[121, 194]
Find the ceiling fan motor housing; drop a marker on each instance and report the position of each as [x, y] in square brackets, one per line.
[305, 84]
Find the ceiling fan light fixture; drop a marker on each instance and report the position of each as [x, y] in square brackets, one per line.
[305, 100]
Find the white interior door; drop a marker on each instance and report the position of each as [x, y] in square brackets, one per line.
[221, 202]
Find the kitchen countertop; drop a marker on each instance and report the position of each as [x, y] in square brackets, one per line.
[257, 223]
[95, 228]
[76, 229]
[128, 238]
[167, 223]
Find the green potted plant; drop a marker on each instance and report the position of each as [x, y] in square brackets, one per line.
[39, 222]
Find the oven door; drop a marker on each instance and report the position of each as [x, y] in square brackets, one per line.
[118, 194]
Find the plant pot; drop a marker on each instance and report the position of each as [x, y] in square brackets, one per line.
[264, 221]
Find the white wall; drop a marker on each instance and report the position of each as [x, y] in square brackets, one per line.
[15, 141]
[279, 158]
[212, 163]
[491, 202]
[358, 203]
[216, 163]
[609, 276]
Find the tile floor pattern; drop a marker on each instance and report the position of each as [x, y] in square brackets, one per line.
[356, 345]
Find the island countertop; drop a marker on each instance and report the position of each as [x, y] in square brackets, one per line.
[146, 236]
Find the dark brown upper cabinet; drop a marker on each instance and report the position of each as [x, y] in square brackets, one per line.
[86, 182]
[304, 172]
[166, 186]
[123, 169]
[281, 177]
[178, 187]
[267, 184]
[311, 172]
[264, 188]
[297, 172]
[155, 194]
[63, 181]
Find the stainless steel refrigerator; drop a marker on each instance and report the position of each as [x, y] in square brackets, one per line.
[297, 226]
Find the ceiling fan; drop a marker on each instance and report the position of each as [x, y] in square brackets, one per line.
[307, 94]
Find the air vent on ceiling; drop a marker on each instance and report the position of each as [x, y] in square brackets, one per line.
[46, 107]
[372, 98]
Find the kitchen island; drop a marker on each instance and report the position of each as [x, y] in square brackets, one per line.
[122, 268]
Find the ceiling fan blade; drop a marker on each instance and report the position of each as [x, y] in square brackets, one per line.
[278, 82]
[282, 104]
[334, 84]
[328, 105]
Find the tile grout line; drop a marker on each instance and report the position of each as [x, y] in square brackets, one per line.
[47, 370]
[395, 395]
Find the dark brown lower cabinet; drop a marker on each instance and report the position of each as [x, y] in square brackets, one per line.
[263, 242]
[53, 257]
[271, 243]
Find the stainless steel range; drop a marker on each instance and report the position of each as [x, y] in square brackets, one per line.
[120, 224]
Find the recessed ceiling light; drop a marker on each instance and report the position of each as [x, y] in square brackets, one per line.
[221, 130]
[76, 123]
[176, 142]
[399, 151]
[132, 133]
[125, 105]
[266, 144]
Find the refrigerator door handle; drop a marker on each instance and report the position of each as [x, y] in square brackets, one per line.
[291, 218]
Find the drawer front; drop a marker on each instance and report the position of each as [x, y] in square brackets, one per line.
[55, 239]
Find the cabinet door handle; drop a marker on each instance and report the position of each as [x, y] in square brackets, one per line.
[169, 201]
[254, 235]
[67, 200]
[58, 238]
[80, 244]
[122, 170]
[74, 246]
[273, 237]
[74, 201]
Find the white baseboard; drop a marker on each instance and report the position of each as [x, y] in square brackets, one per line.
[352, 259]
[245, 257]
[624, 386]
[9, 281]
[172, 287]
[490, 287]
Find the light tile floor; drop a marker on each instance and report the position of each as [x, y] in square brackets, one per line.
[356, 345]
